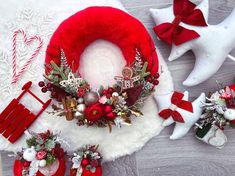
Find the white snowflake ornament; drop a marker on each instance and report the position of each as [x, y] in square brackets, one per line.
[72, 82]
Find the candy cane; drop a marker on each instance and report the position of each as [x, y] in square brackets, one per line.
[16, 75]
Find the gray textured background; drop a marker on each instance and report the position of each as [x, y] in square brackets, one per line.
[187, 156]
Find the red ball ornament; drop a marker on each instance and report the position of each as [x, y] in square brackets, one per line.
[108, 109]
[85, 162]
[149, 79]
[44, 89]
[156, 76]
[110, 90]
[54, 94]
[49, 85]
[41, 84]
[155, 82]
[111, 115]
[26, 164]
[108, 95]
[104, 92]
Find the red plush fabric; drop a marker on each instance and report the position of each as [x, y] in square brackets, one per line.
[60, 172]
[17, 168]
[107, 23]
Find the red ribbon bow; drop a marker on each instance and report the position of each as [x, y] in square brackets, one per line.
[177, 102]
[184, 11]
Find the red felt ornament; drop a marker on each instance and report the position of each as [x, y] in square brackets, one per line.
[133, 95]
[104, 92]
[26, 164]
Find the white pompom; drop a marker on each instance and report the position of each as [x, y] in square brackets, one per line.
[30, 154]
[229, 114]
[80, 100]
[42, 163]
[81, 107]
[115, 94]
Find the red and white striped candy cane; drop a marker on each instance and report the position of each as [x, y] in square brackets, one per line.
[16, 75]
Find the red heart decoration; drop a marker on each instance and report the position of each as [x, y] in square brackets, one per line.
[27, 41]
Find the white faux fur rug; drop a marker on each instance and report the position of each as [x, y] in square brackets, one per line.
[42, 18]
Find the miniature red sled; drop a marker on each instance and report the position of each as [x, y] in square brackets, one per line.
[16, 118]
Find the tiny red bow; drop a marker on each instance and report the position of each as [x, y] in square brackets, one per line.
[178, 102]
[184, 11]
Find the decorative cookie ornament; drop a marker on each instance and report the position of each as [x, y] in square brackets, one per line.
[122, 100]
[207, 47]
[43, 156]
[185, 114]
[127, 80]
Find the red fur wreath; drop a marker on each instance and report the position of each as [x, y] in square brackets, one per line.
[111, 24]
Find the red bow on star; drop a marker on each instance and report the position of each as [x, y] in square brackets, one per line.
[177, 102]
[184, 11]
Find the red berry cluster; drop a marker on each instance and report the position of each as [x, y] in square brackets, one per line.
[108, 92]
[153, 79]
[56, 92]
[45, 87]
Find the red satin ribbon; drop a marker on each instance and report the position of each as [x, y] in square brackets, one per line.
[177, 100]
[184, 11]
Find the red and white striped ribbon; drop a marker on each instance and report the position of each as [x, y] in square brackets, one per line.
[27, 41]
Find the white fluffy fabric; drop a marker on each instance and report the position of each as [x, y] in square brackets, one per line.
[100, 63]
